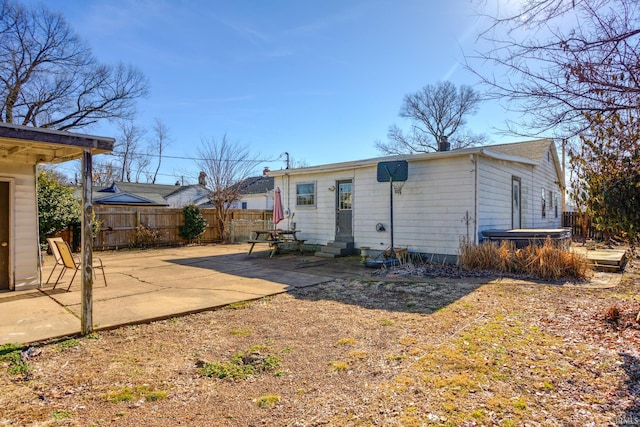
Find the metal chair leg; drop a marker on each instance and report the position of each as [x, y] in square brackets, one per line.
[64, 269]
[51, 274]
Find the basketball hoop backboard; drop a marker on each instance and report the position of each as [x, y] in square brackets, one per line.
[397, 170]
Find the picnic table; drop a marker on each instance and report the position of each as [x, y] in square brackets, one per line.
[275, 238]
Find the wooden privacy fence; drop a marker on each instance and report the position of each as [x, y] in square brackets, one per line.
[580, 224]
[124, 226]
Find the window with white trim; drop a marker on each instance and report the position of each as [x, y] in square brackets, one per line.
[306, 194]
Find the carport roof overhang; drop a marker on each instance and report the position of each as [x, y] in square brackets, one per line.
[24, 144]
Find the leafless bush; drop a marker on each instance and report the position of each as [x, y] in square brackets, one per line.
[546, 262]
[144, 237]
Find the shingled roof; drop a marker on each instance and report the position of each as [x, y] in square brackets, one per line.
[142, 194]
[256, 185]
[162, 190]
[533, 150]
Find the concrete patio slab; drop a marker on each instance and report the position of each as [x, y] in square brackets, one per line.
[160, 283]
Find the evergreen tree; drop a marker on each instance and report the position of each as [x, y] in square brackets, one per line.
[194, 223]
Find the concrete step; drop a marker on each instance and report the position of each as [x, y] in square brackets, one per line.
[333, 250]
[341, 245]
[325, 255]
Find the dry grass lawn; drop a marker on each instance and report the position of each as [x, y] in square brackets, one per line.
[377, 351]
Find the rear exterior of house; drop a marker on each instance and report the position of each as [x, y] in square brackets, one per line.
[448, 196]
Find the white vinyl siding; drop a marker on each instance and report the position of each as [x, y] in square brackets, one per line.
[23, 225]
[427, 215]
[255, 201]
[494, 192]
[437, 203]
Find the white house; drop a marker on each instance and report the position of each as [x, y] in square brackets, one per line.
[447, 196]
[21, 149]
[256, 193]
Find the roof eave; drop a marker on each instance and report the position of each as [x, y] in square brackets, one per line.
[26, 144]
[485, 151]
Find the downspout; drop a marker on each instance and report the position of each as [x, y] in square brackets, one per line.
[288, 211]
[533, 195]
[475, 198]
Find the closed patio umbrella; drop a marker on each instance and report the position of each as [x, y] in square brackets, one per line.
[278, 214]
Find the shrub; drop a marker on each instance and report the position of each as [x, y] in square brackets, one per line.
[194, 223]
[144, 237]
[546, 262]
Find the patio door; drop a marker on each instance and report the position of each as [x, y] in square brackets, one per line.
[516, 203]
[344, 213]
[4, 235]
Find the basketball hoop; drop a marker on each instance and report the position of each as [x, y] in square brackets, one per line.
[397, 186]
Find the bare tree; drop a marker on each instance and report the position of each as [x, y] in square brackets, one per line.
[49, 77]
[225, 164]
[160, 141]
[438, 115]
[562, 61]
[104, 173]
[128, 149]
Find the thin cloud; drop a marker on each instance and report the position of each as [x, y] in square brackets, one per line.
[461, 41]
[254, 36]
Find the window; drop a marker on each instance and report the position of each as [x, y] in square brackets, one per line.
[306, 194]
[244, 205]
[555, 204]
[344, 190]
[544, 203]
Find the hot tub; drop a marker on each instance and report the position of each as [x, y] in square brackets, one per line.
[529, 236]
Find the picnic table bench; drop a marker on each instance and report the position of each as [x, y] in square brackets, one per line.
[275, 239]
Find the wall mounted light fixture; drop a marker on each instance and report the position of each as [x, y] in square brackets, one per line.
[332, 188]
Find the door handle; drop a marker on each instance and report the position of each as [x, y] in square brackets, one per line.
[4, 244]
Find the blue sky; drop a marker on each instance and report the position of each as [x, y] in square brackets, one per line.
[320, 79]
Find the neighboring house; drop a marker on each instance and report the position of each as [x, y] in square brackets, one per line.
[256, 193]
[448, 196]
[21, 149]
[152, 195]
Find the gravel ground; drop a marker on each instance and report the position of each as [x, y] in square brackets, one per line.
[384, 350]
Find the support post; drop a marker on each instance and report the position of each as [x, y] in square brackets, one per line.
[86, 319]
